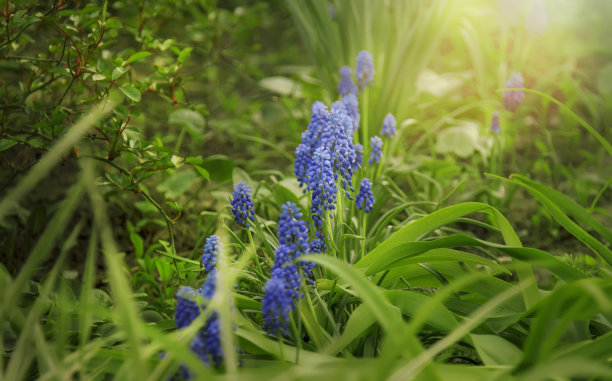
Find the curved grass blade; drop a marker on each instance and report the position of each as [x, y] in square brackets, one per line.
[405, 253]
[417, 364]
[387, 315]
[591, 242]
[574, 116]
[55, 154]
[568, 205]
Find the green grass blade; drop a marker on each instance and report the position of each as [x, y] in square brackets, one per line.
[418, 363]
[568, 205]
[582, 122]
[55, 154]
[597, 247]
[386, 315]
[127, 312]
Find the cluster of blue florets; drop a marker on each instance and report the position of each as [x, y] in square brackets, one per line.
[209, 258]
[283, 289]
[388, 127]
[186, 308]
[351, 105]
[327, 156]
[495, 122]
[365, 70]
[207, 342]
[346, 85]
[376, 146]
[513, 98]
[358, 156]
[322, 184]
[292, 230]
[242, 204]
[277, 305]
[365, 198]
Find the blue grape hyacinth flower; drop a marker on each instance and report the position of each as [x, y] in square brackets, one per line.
[337, 138]
[322, 184]
[346, 85]
[364, 70]
[376, 145]
[207, 342]
[388, 127]
[292, 230]
[277, 305]
[317, 245]
[495, 122]
[351, 104]
[365, 198]
[311, 139]
[513, 98]
[293, 239]
[242, 204]
[211, 248]
[302, 161]
[186, 307]
[358, 148]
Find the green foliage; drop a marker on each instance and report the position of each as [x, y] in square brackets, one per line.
[125, 127]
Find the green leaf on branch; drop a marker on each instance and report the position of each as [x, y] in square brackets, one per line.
[137, 57]
[192, 120]
[177, 184]
[131, 92]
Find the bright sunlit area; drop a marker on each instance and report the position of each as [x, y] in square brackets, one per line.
[306, 189]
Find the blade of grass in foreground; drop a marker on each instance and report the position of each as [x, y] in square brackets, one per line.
[127, 312]
[568, 205]
[417, 229]
[43, 248]
[55, 154]
[591, 242]
[417, 364]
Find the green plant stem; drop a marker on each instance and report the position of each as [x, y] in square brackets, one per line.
[364, 220]
[379, 166]
[149, 198]
[256, 257]
[599, 194]
[339, 217]
[364, 119]
[329, 233]
[262, 237]
[179, 140]
[296, 335]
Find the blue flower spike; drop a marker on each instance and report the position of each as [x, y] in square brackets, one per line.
[211, 248]
[495, 122]
[376, 153]
[358, 156]
[277, 305]
[351, 104]
[513, 98]
[322, 183]
[388, 127]
[365, 198]
[364, 70]
[346, 85]
[186, 307]
[242, 204]
[207, 343]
